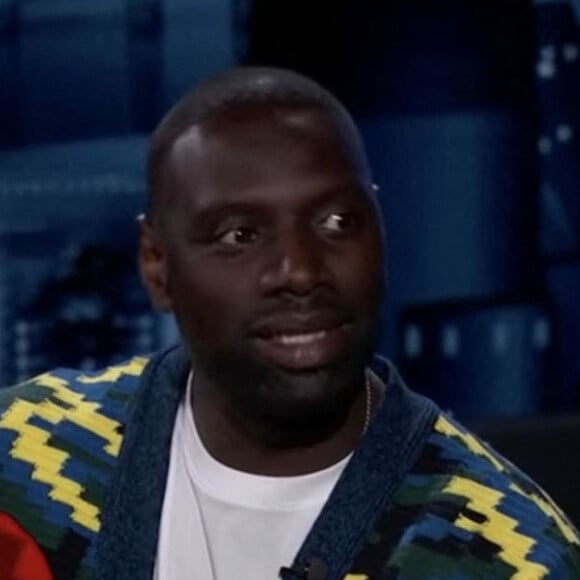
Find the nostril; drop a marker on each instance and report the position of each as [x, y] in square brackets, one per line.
[296, 266]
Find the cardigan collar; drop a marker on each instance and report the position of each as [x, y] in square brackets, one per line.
[127, 543]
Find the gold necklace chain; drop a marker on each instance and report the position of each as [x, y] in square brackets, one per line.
[368, 401]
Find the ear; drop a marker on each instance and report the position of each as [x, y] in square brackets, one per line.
[152, 265]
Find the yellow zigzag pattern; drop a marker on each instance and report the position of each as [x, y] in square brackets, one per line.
[31, 445]
[499, 528]
[445, 427]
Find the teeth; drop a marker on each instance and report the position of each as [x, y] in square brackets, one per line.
[293, 339]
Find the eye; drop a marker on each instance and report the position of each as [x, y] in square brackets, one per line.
[238, 236]
[337, 223]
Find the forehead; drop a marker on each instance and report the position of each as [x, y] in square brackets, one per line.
[261, 147]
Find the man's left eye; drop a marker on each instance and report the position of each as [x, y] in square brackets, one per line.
[337, 222]
[238, 236]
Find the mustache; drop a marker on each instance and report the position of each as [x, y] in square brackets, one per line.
[324, 308]
[321, 299]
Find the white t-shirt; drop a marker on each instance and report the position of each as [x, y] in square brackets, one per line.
[218, 523]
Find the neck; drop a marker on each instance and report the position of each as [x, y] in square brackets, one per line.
[243, 445]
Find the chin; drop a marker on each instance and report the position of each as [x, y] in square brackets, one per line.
[290, 407]
[301, 408]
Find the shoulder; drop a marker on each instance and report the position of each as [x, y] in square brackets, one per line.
[65, 394]
[469, 501]
[66, 404]
[60, 434]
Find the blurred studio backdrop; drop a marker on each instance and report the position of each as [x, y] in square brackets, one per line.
[470, 111]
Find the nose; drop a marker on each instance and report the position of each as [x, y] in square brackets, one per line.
[296, 265]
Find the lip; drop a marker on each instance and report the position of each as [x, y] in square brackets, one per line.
[302, 345]
[297, 323]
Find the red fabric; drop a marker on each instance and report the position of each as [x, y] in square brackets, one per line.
[20, 556]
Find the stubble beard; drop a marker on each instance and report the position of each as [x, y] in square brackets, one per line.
[282, 409]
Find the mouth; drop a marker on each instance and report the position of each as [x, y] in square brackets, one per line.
[299, 339]
[301, 347]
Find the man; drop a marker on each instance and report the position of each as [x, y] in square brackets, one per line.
[272, 444]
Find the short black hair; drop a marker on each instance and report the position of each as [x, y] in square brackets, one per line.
[230, 90]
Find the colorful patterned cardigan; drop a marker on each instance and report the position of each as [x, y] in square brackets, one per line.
[83, 461]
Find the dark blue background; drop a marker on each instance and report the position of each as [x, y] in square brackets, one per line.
[470, 114]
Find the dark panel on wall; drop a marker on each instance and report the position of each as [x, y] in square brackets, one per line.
[77, 70]
[72, 61]
[563, 281]
[197, 42]
[382, 54]
[145, 57]
[459, 201]
[9, 106]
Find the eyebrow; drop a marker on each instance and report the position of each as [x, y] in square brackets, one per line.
[221, 209]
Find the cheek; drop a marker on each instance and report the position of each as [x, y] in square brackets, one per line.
[208, 302]
[361, 273]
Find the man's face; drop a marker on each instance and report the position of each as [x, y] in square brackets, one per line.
[271, 260]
